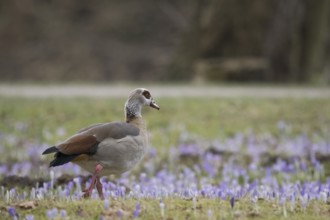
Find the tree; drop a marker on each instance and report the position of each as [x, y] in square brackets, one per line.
[278, 40]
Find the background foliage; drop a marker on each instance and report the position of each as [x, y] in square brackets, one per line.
[198, 40]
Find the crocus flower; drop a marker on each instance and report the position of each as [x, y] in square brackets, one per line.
[52, 213]
[63, 214]
[106, 204]
[232, 202]
[136, 210]
[29, 217]
[12, 213]
[119, 214]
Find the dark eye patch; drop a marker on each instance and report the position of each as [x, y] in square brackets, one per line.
[146, 94]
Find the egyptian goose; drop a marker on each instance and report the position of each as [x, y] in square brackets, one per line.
[108, 148]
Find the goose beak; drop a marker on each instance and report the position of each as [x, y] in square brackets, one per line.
[154, 105]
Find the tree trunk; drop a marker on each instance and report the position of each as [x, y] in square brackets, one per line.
[317, 31]
[189, 46]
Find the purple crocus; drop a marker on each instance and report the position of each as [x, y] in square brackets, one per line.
[106, 204]
[12, 213]
[292, 201]
[282, 200]
[29, 217]
[63, 214]
[304, 201]
[232, 202]
[52, 213]
[119, 214]
[136, 210]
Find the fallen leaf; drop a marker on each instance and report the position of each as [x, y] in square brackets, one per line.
[27, 205]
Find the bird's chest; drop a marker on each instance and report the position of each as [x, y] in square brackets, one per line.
[132, 160]
[120, 156]
[121, 164]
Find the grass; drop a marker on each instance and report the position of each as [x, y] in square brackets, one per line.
[180, 209]
[207, 119]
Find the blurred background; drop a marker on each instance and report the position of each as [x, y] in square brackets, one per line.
[281, 41]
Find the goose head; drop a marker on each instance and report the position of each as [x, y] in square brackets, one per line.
[138, 98]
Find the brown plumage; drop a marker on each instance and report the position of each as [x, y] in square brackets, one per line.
[108, 148]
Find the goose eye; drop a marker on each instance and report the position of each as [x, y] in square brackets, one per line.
[146, 94]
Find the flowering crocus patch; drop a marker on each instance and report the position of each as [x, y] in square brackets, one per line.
[287, 172]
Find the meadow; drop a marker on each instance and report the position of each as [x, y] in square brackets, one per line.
[209, 158]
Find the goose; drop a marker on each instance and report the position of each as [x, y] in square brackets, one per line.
[108, 148]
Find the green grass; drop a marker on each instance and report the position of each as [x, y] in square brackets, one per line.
[206, 118]
[174, 209]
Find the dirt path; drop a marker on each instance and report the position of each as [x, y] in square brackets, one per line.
[46, 91]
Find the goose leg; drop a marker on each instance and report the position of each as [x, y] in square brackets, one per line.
[95, 180]
[99, 188]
